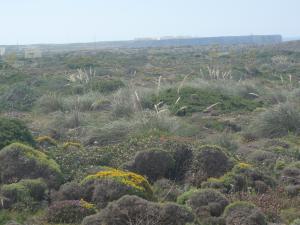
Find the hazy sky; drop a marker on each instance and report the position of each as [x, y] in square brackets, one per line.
[61, 21]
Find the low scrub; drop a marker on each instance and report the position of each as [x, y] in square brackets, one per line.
[14, 130]
[133, 210]
[243, 213]
[24, 194]
[278, 121]
[72, 211]
[191, 99]
[18, 161]
[111, 184]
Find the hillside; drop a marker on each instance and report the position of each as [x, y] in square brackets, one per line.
[151, 134]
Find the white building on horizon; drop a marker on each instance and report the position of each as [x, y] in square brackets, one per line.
[2, 51]
[32, 53]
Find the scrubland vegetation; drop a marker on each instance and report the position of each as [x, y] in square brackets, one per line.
[189, 135]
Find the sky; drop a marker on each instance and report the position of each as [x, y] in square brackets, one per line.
[69, 21]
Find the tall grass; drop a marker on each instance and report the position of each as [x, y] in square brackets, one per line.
[277, 121]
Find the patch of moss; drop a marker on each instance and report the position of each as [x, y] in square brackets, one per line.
[197, 100]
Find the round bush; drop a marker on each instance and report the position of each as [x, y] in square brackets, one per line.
[205, 203]
[106, 86]
[18, 161]
[296, 222]
[68, 191]
[278, 121]
[183, 157]
[23, 194]
[174, 214]
[111, 184]
[45, 142]
[166, 190]
[209, 161]
[263, 159]
[154, 164]
[70, 211]
[290, 177]
[244, 213]
[134, 210]
[13, 130]
[16, 196]
[242, 177]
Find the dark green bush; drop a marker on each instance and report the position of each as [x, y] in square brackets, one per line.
[154, 164]
[263, 159]
[166, 190]
[106, 86]
[205, 202]
[76, 161]
[197, 100]
[290, 178]
[296, 222]
[14, 130]
[18, 161]
[242, 178]
[244, 213]
[20, 97]
[71, 211]
[23, 194]
[183, 157]
[68, 191]
[134, 210]
[209, 161]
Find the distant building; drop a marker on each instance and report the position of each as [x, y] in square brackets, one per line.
[2, 51]
[32, 53]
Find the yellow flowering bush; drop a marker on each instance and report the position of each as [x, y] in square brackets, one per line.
[45, 140]
[119, 182]
[71, 144]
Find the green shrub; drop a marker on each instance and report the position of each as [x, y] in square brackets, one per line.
[182, 199]
[20, 97]
[197, 100]
[242, 178]
[244, 213]
[134, 210]
[154, 164]
[71, 211]
[209, 161]
[225, 140]
[111, 184]
[16, 193]
[290, 214]
[290, 178]
[166, 190]
[45, 142]
[296, 222]
[68, 191]
[13, 130]
[50, 103]
[106, 86]
[205, 202]
[277, 121]
[24, 194]
[263, 159]
[75, 160]
[18, 161]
